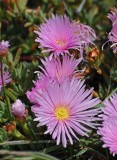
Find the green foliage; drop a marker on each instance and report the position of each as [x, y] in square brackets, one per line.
[25, 156]
[3, 135]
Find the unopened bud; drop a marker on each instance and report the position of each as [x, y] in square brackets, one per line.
[18, 109]
[4, 48]
[10, 127]
[93, 54]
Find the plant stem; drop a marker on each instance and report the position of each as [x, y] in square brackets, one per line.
[3, 86]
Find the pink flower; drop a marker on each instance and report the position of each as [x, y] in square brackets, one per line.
[59, 70]
[6, 78]
[113, 16]
[4, 47]
[30, 94]
[18, 109]
[57, 35]
[110, 108]
[66, 109]
[113, 38]
[35, 108]
[55, 70]
[40, 85]
[113, 34]
[108, 131]
[85, 34]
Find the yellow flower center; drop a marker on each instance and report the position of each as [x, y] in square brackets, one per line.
[62, 113]
[61, 43]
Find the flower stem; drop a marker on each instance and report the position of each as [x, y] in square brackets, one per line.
[3, 86]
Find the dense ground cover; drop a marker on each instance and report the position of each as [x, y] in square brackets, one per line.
[68, 91]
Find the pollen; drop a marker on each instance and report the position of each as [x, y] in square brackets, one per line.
[62, 113]
[61, 43]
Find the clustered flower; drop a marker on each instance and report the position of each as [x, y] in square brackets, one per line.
[54, 70]
[113, 33]
[61, 101]
[63, 105]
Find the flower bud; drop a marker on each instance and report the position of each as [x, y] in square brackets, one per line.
[4, 47]
[10, 127]
[18, 109]
[93, 54]
[12, 131]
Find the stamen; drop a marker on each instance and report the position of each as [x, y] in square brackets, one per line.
[61, 43]
[62, 112]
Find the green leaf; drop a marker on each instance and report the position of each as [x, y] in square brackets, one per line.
[14, 155]
[82, 152]
[21, 142]
[10, 13]
[50, 149]
[3, 135]
[21, 4]
[11, 95]
[17, 57]
[27, 24]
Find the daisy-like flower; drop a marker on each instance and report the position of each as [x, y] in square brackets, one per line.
[108, 131]
[54, 70]
[113, 38]
[109, 125]
[66, 109]
[58, 69]
[18, 109]
[85, 34]
[113, 16]
[4, 47]
[113, 33]
[110, 108]
[57, 35]
[6, 78]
